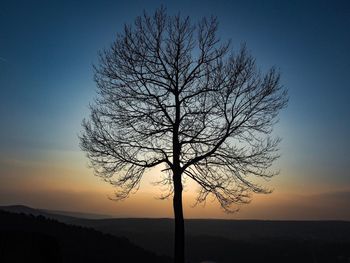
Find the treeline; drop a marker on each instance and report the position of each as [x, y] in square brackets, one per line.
[27, 238]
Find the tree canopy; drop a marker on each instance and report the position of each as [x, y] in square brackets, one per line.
[167, 83]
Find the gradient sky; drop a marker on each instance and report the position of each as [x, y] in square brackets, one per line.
[47, 49]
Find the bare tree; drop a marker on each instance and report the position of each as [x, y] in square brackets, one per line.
[171, 93]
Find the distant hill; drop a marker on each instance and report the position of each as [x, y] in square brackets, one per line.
[78, 214]
[232, 229]
[29, 238]
[23, 209]
[238, 241]
[52, 213]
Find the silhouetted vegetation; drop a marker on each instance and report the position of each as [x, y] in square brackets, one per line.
[27, 238]
[222, 241]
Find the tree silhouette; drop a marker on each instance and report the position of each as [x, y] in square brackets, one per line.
[171, 93]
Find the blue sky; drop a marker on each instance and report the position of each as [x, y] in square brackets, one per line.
[47, 49]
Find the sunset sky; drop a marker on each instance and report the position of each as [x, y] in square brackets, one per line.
[47, 49]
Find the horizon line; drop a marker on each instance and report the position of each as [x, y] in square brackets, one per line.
[109, 217]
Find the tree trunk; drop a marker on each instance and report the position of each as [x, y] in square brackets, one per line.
[179, 249]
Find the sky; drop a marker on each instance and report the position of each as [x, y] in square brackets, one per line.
[47, 49]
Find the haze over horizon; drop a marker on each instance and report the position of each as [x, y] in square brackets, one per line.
[46, 80]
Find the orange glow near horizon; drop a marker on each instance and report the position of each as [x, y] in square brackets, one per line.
[49, 183]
